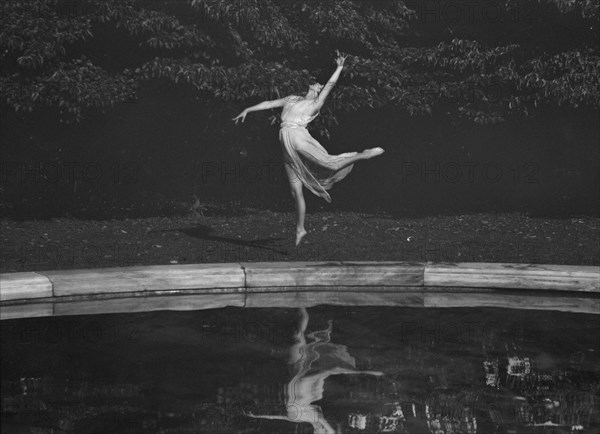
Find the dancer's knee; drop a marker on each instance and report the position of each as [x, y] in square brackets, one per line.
[333, 166]
[296, 194]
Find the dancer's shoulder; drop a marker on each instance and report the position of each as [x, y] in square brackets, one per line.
[293, 99]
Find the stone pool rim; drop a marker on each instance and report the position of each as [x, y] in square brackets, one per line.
[571, 288]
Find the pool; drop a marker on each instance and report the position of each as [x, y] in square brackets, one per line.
[300, 370]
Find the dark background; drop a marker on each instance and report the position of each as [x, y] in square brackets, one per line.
[169, 149]
[163, 152]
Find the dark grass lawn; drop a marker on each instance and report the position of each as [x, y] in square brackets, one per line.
[259, 235]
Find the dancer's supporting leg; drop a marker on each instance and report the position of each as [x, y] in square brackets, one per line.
[296, 187]
[296, 184]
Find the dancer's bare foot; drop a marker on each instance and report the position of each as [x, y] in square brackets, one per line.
[299, 235]
[373, 152]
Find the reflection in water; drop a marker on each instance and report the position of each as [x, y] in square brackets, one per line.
[446, 371]
[311, 364]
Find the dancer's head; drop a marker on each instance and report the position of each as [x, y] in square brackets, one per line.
[314, 90]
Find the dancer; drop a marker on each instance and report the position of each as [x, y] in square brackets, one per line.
[306, 160]
[311, 364]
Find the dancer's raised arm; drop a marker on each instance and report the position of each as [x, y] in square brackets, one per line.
[332, 81]
[265, 105]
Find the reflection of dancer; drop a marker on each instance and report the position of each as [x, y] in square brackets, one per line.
[306, 160]
[311, 364]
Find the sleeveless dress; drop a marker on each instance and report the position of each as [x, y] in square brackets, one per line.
[309, 160]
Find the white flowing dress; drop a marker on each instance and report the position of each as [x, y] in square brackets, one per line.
[309, 160]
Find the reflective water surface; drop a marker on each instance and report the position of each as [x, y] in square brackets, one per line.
[322, 370]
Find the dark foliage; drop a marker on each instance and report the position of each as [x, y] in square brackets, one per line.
[477, 62]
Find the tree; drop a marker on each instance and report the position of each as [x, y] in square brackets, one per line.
[473, 61]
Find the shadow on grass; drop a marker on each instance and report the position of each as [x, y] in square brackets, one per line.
[203, 232]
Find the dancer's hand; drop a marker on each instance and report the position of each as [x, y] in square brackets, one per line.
[242, 115]
[340, 59]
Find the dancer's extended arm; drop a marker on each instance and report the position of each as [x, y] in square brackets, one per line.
[266, 416]
[332, 81]
[265, 105]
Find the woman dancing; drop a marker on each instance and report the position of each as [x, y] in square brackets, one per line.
[306, 160]
[311, 365]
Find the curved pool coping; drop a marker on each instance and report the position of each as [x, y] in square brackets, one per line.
[570, 288]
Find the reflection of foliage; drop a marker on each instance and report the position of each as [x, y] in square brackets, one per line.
[587, 8]
[238, 51]
[432, 383]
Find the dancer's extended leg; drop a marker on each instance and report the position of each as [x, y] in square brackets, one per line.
[338, 165]
[296, 187]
